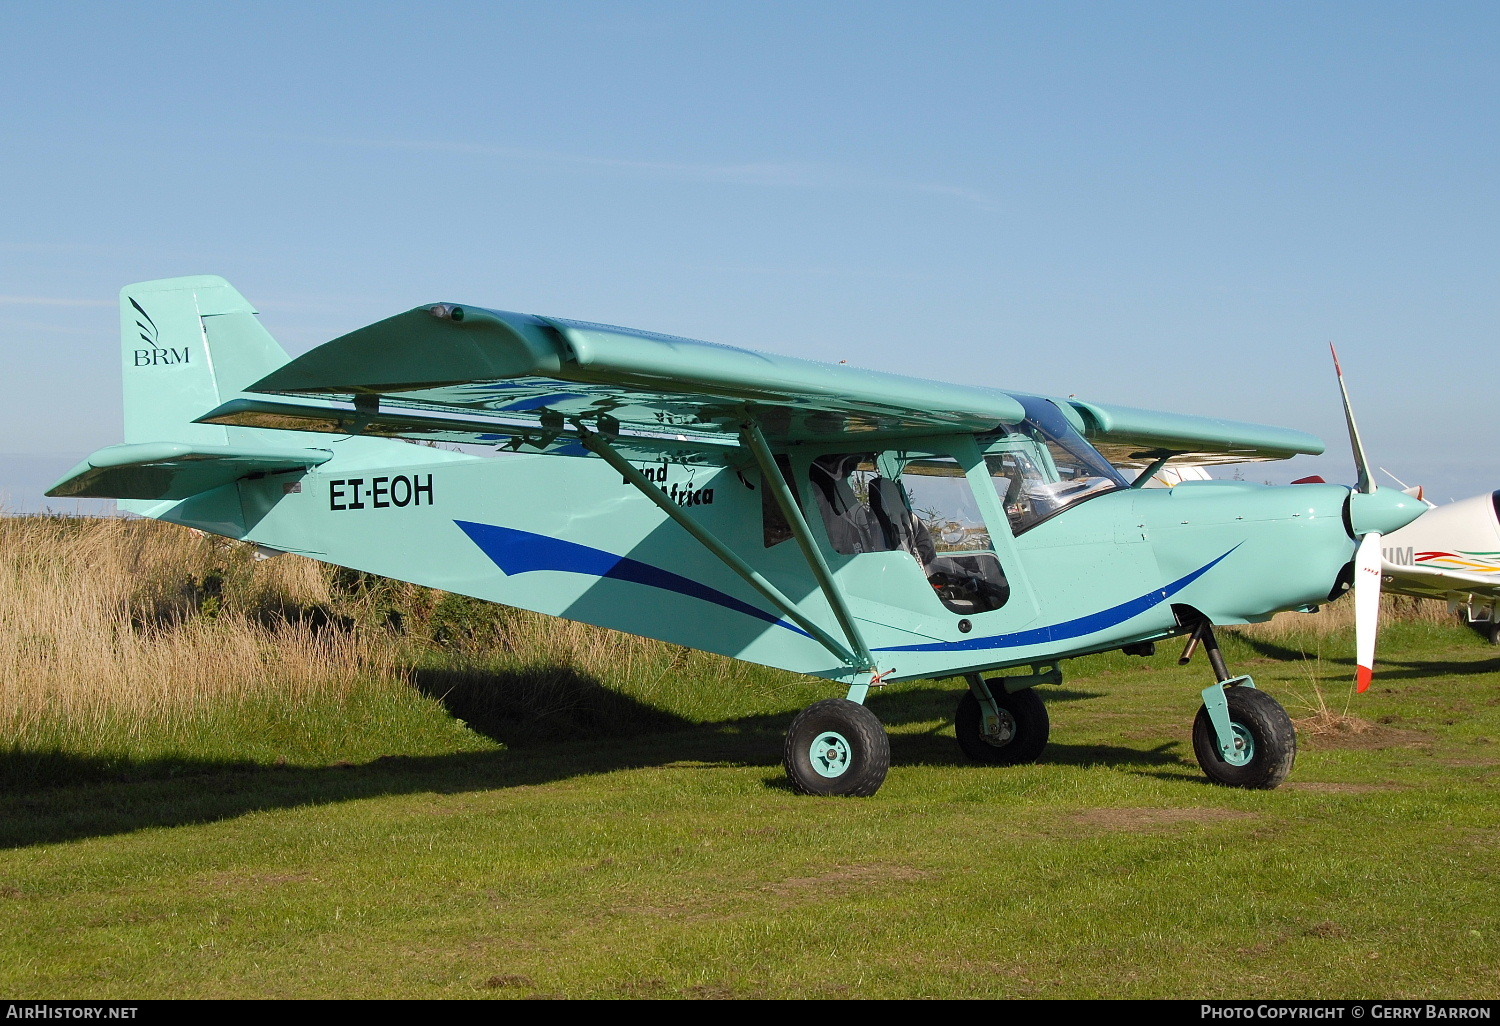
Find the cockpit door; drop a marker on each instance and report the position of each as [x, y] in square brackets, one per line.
[918, 542]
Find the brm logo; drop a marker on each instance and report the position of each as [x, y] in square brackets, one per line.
[154, 355]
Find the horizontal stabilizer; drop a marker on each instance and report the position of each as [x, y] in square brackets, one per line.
[176, 470]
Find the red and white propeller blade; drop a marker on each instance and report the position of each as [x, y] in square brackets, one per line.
[1366, 607]
[1366, 556]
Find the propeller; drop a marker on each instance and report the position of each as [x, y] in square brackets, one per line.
[1366, 556]
[1366, 483]
[1371, 513]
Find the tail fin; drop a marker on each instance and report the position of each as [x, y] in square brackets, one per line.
[189, 344]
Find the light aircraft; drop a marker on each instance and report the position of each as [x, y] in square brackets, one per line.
[1451, 552]
[862, 527]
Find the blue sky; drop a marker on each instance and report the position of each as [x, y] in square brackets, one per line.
[1167, 205]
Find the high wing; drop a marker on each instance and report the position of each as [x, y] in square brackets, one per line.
[467, 374]
[1137, 439]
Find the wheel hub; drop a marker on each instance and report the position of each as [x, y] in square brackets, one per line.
[1241, 750]
[1000, 729]
[830, 754]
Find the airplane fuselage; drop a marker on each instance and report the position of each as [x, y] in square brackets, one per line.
[568, 537]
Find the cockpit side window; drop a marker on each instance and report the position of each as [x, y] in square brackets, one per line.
[953, 542]
[928, 511]
[841, 483]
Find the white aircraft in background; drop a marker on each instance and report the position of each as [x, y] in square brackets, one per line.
[1451, 552]
[1168, 477]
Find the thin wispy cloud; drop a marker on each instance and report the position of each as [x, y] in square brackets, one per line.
[52, 301]
[767, 174]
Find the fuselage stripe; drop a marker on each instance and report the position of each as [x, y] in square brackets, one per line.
[521, 552]
[1068, 629]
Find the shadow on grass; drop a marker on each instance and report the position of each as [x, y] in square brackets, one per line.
[1386, 668]
[1272, 650]
[1417, 669]
[541, 704]
[556, 724]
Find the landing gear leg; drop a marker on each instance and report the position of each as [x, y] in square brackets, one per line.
[1241, 736]
[1001, 727]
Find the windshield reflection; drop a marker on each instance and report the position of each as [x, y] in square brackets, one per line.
[1038, 482]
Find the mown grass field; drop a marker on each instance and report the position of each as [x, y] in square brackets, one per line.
[229, 779]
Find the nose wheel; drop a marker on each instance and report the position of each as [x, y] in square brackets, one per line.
[1242, 737]
[1262, 742]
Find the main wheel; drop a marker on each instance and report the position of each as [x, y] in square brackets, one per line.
[1020, 735]
[837, 747]
[1265, 741]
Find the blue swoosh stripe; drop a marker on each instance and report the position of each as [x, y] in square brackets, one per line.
[522, 552]
[1083, 625]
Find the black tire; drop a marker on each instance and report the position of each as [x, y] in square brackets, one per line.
[1024, 728]
[1264, 724]
[1492, 631]
[837, 748]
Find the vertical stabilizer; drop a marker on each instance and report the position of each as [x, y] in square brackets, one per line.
[188, 344]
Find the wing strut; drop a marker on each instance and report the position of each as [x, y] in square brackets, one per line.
[596, 443]
[770, 473]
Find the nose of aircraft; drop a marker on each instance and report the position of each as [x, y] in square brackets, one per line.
[1382, 511]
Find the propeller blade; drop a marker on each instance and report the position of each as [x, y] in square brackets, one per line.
[1366, 607]
[1361, 462]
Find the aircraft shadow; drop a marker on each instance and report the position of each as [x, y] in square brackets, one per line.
[1385, 669]
[540, 715]
[1271, 650]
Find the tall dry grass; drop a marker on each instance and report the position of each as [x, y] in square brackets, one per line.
[113, 618]
[129, 628]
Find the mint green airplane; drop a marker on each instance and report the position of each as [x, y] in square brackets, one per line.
[862, 527]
